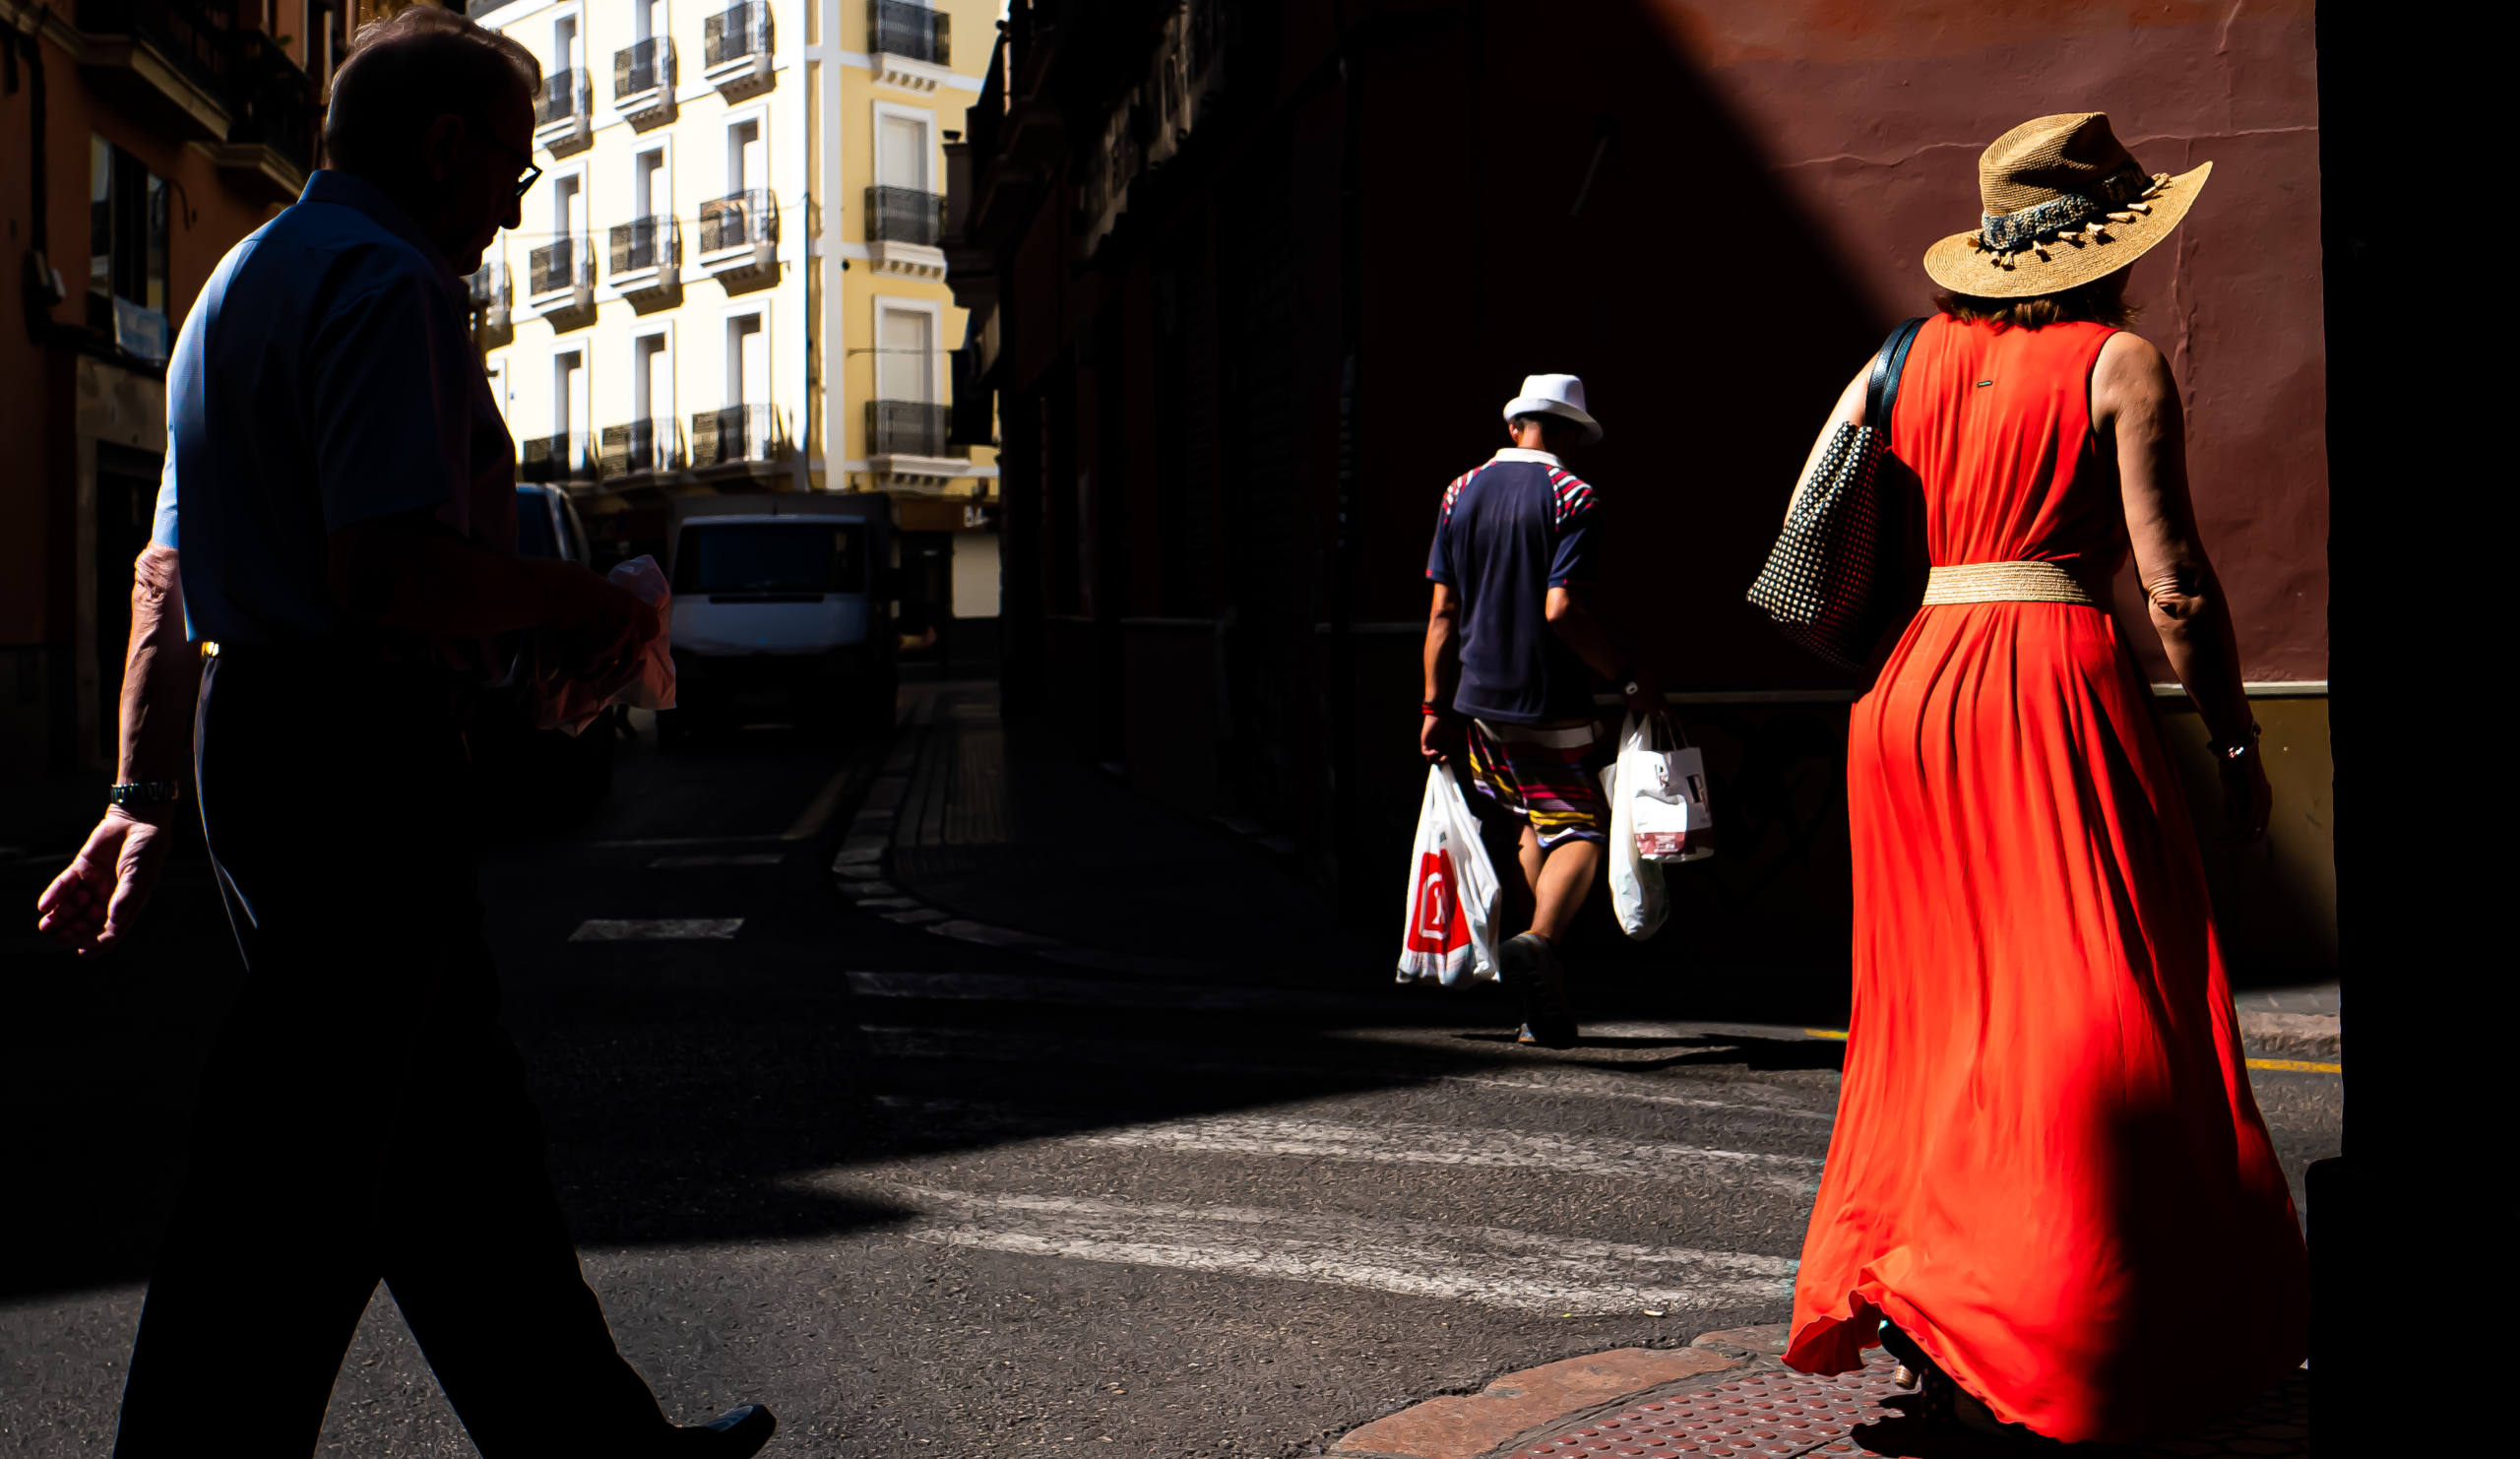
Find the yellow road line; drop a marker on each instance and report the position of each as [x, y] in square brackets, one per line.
[2280, 1065]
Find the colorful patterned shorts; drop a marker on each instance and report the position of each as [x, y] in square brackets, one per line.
[1548, 779]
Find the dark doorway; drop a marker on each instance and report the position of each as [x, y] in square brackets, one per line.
[126, 502]
[926, 597]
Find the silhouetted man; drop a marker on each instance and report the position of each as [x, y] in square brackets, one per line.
[340, 496]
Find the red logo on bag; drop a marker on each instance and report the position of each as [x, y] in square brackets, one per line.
[1436, 922]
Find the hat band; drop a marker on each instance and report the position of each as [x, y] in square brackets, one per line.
[2117, 193]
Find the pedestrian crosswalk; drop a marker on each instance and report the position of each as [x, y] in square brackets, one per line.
[1494, 1267]
[1019, 1094]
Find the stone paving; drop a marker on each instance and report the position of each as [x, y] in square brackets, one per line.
[1752, 1408]
[1778, 1414]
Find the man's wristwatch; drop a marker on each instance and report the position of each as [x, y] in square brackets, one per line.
[2233, 750]
[139, 795]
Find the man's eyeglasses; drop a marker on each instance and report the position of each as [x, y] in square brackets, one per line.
[533, 172]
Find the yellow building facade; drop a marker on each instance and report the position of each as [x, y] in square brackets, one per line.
[729, 277]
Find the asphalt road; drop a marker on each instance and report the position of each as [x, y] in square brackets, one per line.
[926, 1197]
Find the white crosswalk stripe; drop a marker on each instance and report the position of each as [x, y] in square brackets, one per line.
[1496, 1267]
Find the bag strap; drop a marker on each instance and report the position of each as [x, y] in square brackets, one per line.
[1881, 390]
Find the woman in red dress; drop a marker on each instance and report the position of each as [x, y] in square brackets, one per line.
[2050, 1187]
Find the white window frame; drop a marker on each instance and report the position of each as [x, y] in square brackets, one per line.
[758, 113]
[934, 160]
[935, 311]
[660, 329]
[752, 308]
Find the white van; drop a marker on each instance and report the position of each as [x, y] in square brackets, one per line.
[783, 603]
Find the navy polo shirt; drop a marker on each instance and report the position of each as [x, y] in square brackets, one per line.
[1507, 533]
[324, 377]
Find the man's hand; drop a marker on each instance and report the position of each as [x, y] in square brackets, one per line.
[1438, 736]
[600, 627]
[93, 904]
[1647, 702]
[2248, 802]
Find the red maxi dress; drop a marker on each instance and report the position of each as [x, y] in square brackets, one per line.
[2047, 1167]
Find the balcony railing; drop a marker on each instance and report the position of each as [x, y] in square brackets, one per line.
[185, 34]
[645, 244]
[737, 31]
[904, 215]
[738, 434]
[565, 456]
[908, 428]
[645, 67]
[563, 263]
[739, 220]
[488, 288]
[563, 98]
[904, 27]
[652, 445]
[272, 101]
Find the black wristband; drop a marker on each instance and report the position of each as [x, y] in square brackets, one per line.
[139, 795]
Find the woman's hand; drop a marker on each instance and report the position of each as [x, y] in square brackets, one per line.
[2248, 802]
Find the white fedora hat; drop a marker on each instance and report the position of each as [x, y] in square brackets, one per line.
[1554, 394]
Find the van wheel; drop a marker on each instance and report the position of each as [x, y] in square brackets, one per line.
[878, 708]
[673, 729]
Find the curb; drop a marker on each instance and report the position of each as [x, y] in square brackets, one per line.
[1528, 1407]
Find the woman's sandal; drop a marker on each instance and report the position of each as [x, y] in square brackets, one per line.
[1943, 1404]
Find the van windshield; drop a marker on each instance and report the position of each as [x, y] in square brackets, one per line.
[770, 557]
[534, 534]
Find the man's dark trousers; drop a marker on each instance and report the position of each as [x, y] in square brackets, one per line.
[363, 1115]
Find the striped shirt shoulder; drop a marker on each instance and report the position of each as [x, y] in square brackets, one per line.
[1452, 494]
[1575, 496]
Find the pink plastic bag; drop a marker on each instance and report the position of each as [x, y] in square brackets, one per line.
[645, 681]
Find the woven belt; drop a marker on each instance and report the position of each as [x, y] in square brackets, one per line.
[2005, 582]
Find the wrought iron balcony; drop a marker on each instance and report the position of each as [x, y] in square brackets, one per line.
[272, 105]
[564, 97]
[736, 33]
[904, 215]
[908, 428]
[645, 67]
[645, 244]
[740, 219]
[733, 434]
[561, 264]
[651, 445]
[904, 28]
[566, 457]
[174, 56]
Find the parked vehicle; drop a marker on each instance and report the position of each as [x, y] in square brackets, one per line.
[542, 772]
[783, 602]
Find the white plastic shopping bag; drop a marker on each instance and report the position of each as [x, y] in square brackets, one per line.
[1663, 787]
[1452, 891]
[645, 681]
[1637, 895]
[1659, 813]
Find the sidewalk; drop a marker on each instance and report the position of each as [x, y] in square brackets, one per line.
[1726, 1395]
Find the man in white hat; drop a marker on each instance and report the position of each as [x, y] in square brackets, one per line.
[1512, 650]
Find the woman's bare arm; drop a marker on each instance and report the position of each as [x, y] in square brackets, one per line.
[1850, 404]
[2135, 405]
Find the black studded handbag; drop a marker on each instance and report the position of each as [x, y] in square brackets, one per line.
[1830, 583]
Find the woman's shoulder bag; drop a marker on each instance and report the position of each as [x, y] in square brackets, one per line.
[1831, 578]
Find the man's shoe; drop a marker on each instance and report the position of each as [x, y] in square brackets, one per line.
[737, 1433]
[1530, 966]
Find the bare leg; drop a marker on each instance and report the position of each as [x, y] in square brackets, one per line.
[1560, 881]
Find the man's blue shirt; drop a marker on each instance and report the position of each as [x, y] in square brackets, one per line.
[1506, 533]
[324, 377]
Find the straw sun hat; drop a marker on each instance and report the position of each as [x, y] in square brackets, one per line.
[2065, 205]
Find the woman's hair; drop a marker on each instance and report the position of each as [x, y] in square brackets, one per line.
[2101, 302]
[411, 68]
